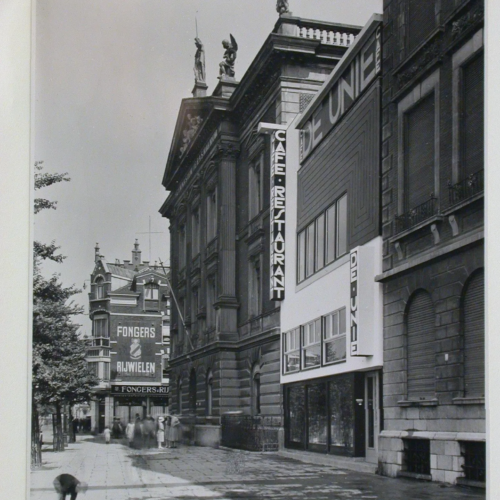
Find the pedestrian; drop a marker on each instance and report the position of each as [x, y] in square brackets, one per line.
[148, 426]
[129, 431]
[160, 433]
[74, 424]
[117, 429]
[174, 431]
[107, 435]
[167, 430]
[137, 432]
[66, 484]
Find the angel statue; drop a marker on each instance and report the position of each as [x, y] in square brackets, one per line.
[199, 61]
[282, 7]
[227, 65]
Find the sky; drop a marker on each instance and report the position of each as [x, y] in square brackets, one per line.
[108, 82]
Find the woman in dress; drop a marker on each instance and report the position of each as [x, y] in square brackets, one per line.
[167, 430]
[174, 431]
[160, 433]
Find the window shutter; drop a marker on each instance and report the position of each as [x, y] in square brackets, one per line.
[474, 336]
[421, 21]
[421, 349]
[473, 116]
[420, 153]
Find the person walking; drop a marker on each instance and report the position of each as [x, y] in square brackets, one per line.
[148, 430]
[66, 484]
[174, 431]
[137, 432]
[129, 432]
[107, 435]
[167, 430]
[160, 433]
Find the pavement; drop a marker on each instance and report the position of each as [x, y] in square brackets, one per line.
[116, 472]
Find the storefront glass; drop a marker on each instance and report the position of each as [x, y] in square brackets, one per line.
[341, 413]
[317, 414]
[296, 415]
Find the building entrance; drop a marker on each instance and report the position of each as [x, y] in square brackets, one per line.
[372, 416]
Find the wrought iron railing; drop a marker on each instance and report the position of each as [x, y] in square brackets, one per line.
[250, 433]
[417, 456]
[416, 215]
[474, 461]
[467, 188]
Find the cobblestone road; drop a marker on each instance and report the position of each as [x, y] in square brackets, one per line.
[114, 472]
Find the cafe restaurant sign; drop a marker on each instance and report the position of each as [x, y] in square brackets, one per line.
[362, 70]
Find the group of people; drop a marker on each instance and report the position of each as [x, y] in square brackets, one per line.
[143, 433]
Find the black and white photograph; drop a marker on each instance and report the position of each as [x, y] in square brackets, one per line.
[257, 260]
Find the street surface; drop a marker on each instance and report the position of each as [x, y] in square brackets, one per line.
[115, 472]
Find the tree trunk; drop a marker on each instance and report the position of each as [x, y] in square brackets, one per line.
[36, 445]
[58, 430]
[71, 433]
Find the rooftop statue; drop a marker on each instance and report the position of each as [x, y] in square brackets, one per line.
[199, 62]
[226, 67]
[282, 7]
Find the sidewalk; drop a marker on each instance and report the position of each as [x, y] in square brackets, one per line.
[115, 472]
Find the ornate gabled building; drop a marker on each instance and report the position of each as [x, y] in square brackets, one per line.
[129, 306]
[226, 339]
[433, 231]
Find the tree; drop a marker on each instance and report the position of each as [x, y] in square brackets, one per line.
[60, 372]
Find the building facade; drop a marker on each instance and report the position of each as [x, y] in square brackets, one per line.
[331, 316]
[433, 240]
[226, 341]
[129, 306]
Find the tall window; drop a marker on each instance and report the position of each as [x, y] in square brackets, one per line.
[99, 288]
[254, 285]
[255, 186]
[292, 351]
[323, 241]
[182, 246]
[210, 302]
[94, 368]
[420, 321]
[105, 371]
[101, 327]
[421, 21]
[472, 116]
[473, 331]
[211, 215]
[334, 336]
[311, 341]
[209, 395]
[151, 297]
[419, 153]
[195, 232]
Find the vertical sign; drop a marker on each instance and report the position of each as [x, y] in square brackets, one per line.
[278, 178]
[354, 302]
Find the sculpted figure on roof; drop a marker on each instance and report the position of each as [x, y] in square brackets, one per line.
[199, 61]
[226, 67]
[282, 7]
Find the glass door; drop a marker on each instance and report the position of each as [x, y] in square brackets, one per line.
[372, 416]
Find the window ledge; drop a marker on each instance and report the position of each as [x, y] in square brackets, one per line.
[417, 227]
[468, 401]
[414, 475]
[423, 402]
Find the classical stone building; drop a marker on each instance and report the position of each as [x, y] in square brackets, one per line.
[433, 250]
[129, 306]
[226, 341]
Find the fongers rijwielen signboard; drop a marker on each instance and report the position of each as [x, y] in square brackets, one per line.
[135, 358]
[345, 91]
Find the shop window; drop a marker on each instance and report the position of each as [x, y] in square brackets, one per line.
[317, 415]
[254, 287]
[209, 395]
[255, 186]
[473, 332]
[99, 288]
[417, 456]
[341, 413]
[334, 337]
[311, 341]
[211, 215]
[296, 415]
[195, 232]
[421, 356]
[151, 297]
[292, 351]
[323, 241]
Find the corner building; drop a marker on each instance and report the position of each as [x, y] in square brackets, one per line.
[129, 306]
[331, 317]
[433, 231]
[226, 352]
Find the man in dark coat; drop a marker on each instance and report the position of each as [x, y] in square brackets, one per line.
[66, 484]
[149, 431]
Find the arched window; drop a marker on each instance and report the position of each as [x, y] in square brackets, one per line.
[209, 395]
[256, 390]
[192, 391]
[179, 395]
[99, 288]
[473, 331]
[420, 322]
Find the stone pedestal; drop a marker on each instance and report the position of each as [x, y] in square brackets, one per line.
[199, 89]
[225, 87]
